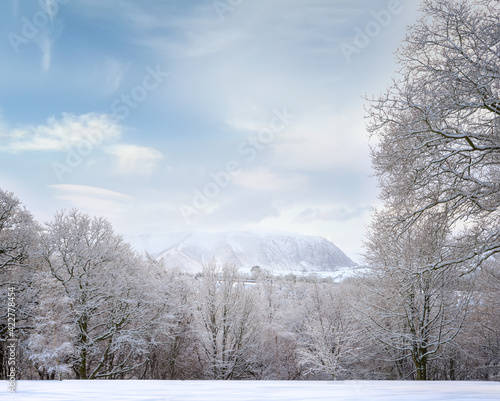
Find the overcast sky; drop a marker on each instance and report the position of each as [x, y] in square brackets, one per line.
[197, 115]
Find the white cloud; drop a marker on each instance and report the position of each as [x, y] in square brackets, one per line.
[82, 133]
[70, 131]
[94, 192]
[133, 159]
[93, 200]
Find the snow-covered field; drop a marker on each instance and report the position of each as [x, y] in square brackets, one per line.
[251, 390]
[338, 275]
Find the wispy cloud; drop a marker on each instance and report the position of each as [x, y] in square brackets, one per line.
[48, 30]
[45, 45]
[94, 200]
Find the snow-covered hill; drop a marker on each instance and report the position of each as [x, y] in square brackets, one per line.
[271, 251]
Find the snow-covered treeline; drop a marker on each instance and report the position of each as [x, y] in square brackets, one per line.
[89, 307]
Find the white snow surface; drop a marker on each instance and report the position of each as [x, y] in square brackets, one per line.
[273, 251]
[152, 390]
[338, 275]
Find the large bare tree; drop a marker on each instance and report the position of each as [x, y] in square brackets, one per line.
[110, 307]
[18, 237]
[438, 126]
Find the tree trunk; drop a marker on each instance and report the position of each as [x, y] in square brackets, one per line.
[82, 369]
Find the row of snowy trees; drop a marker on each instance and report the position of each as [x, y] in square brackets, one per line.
[83, 302]
[89, 307]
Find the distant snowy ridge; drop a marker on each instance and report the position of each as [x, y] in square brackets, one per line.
[271, 251]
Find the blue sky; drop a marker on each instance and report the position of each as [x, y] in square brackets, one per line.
[197, 114]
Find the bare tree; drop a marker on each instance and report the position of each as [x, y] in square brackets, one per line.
[172, 339]
[279, 309]
[50, 343]
[226, 323]
[109, 296]
[18, 238]
[438, 125]
[478, 345]
[414, 311]
[330, 337]
[16, 232]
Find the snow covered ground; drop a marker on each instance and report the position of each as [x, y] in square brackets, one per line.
[340, 274]
[129, 390]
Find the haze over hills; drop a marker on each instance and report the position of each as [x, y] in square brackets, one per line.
[271, 251]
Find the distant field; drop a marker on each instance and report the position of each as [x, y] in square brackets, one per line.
[251, 391]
